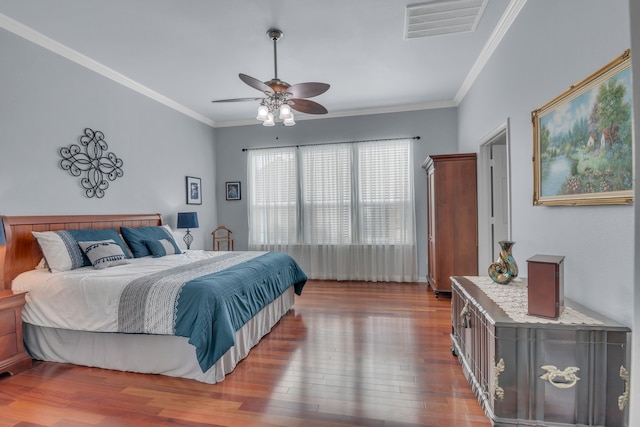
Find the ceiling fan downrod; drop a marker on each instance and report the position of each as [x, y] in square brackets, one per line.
[275, 35]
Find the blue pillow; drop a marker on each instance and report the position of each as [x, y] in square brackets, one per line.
[137, 237]
[160, 248]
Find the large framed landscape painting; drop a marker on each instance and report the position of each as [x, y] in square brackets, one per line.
[582, 142]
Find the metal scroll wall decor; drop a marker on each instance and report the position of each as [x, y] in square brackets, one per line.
[91, 160]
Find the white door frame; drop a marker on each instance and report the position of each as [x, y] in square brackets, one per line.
[485, 251]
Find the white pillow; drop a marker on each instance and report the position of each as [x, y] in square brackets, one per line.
[60, 250]
[177, 237]
[126, 246]
[103, 253]
[42, 265]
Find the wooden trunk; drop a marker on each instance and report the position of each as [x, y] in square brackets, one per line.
[534, 371]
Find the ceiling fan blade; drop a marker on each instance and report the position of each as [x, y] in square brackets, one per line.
[256, 84]
[306, 106]
[237, 100]
[307, 90]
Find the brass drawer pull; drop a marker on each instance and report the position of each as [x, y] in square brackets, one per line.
[568, 374]
[465, 315]
[623, 399]
[498, 391]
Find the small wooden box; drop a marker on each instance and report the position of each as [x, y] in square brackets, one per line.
[545, 286]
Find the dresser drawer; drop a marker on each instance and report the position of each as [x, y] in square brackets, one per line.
[7, 322]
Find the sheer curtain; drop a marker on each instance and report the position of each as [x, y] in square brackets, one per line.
[343, 211]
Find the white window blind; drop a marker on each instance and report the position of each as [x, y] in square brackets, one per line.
[273, 196]
[336, 204]
[327, 194]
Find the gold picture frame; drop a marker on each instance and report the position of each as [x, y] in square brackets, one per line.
[582, 141]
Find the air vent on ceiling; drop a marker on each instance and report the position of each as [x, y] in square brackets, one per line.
[442, 17]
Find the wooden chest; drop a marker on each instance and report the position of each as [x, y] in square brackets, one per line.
[530, 371]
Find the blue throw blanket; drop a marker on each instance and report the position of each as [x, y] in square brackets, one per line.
[210, 308]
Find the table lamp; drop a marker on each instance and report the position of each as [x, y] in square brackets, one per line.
[188, 220]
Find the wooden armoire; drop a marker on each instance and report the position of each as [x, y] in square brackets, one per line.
[452, 217]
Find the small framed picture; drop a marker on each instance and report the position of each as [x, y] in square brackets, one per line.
[194, 191]
[233, 190]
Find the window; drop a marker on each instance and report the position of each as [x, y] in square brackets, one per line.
[334, 196]
[273, 196]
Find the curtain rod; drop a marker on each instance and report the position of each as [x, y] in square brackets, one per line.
[331, 143]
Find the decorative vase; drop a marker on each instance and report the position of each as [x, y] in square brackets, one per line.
[505, 269]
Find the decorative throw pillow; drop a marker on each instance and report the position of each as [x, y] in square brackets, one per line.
[160, 248]
[61, 250]
[103, 253]
[90, 235]
[136, 238]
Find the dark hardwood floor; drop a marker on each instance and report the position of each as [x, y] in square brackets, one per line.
[347, 354]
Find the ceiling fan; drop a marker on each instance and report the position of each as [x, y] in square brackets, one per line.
[280, 97]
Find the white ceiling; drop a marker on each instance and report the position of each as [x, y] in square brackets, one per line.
[187, 53]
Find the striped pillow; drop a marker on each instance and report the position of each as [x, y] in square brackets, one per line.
[103, 253]
[160, 248]
[137, 237]
[60, 250]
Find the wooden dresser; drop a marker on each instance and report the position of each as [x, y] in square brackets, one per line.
[452, 206]
[13, 358]
[530, 371]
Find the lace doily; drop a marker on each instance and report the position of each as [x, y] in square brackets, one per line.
[513, 299]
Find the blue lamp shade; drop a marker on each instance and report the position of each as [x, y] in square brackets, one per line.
[2, 238]
[187, 220]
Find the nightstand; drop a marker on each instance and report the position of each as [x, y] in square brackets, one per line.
[13, 357]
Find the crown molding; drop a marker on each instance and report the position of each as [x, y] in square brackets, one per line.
[509, 15]
[365, 112]
[48, 43]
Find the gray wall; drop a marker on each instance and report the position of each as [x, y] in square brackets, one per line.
[634, 15]
[542, 55]
[437, 129]
[47, 101]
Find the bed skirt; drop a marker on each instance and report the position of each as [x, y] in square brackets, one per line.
[150, 354]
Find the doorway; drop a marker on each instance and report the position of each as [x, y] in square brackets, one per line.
[494, 195]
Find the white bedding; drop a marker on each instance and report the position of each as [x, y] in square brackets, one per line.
[151, 354]
[87, 299]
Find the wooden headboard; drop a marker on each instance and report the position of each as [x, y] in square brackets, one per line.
[22, 252]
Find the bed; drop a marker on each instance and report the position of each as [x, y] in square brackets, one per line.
[209, 308]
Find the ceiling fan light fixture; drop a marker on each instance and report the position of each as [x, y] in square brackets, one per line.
[285, 112]
[263, 113]
[289, 121]
[269, 121]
